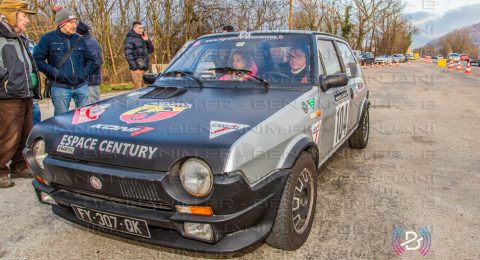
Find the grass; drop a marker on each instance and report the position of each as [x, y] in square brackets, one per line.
[114, 87]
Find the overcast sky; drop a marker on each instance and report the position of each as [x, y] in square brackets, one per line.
[437, 6]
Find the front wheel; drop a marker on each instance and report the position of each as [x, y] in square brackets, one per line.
[297, 208]
[359, 138]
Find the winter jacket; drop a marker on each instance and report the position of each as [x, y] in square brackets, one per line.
[15, 65]
[76, 69]
[95, 78]
[135, 47]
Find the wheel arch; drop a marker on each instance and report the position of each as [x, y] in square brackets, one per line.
[303, 145]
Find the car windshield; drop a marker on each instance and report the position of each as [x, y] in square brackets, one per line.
[383, 56]
[276, 58]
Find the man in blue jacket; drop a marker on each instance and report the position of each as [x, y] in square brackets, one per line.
[70, 79]
[95, 79]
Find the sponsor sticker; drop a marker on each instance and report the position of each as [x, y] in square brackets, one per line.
[316, 131]
[341, 95]
[311, 103]
[220, 128]
[88, 113]
[71, 142]
[154, 111]
[240, 44]
[134, 131]
[65, 149]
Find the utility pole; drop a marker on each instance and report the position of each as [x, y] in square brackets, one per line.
[290, 18]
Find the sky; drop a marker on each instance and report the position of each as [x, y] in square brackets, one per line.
[439, 7]
[435, 18]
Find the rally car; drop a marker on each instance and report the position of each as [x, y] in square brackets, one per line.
[219, 152]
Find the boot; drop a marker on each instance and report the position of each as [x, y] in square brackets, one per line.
[6, 182]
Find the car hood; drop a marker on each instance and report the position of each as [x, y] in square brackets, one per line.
[153, 128]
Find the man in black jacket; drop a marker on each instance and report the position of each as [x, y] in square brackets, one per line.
[137, 49]
[17, 80]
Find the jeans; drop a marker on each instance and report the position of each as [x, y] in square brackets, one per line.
[93, 94]
[61, 98]
[37, 116]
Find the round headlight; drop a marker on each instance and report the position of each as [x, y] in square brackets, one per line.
[39, 152]
[196, 177]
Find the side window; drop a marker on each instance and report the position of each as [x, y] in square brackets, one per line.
[348, 59]
[329, 56]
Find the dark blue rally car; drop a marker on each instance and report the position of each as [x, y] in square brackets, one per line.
[220, 152]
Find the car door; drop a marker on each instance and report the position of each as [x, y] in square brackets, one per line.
[355, 82]
[335, 102]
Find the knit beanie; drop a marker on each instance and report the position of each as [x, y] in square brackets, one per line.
[64, 16]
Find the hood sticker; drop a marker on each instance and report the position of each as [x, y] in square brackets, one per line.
[154, 111]
[88, 113]
[70, 142]
[316, 131]
[134, 131]
[220, 128]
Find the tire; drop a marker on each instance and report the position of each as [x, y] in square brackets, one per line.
[288, 233]
[359, 138]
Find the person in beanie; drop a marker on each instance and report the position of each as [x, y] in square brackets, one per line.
[95, 79]
[63, 56]
[16, 91]
[137, 49]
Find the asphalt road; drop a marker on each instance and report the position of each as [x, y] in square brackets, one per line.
[420, 169]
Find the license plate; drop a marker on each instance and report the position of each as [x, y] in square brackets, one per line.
[132, 226]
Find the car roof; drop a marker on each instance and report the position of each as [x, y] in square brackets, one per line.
[295, 32]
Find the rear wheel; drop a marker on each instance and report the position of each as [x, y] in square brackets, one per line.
[297, 207]
[359, 138]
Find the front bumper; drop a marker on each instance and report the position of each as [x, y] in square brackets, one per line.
[237, 225]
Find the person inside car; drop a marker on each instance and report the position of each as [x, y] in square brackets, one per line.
[241, 61]
[298, 65]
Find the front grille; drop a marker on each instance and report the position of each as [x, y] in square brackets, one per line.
[138, 189]
[157, 204]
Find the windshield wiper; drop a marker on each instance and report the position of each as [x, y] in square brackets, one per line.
[265, 82]
[183, 73]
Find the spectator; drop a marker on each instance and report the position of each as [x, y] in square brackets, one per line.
[95, 79]
[228, 28]
[16, 71]
[66, 69]
[137, 49]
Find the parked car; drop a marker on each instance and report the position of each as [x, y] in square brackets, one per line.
[409, 56]
[464, 57]
[191, 161]
[383, 59]
[398, 58]
[368, 58]
[453, 56]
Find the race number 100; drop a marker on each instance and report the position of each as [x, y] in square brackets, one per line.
[341, 122]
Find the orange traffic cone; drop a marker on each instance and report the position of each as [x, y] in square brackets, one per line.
[408, 62]
[451, 65]
[468, 70]
[371, 65]
[459, 66]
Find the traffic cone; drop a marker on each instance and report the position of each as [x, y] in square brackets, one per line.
[408, 62]
[468, 70]
[459, 66]
[451, 65]
[371, 65]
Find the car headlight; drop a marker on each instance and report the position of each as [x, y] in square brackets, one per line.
[196, 177]
[39, 152]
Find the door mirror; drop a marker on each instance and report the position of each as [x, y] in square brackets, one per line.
[333, 81]
[149, 78]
